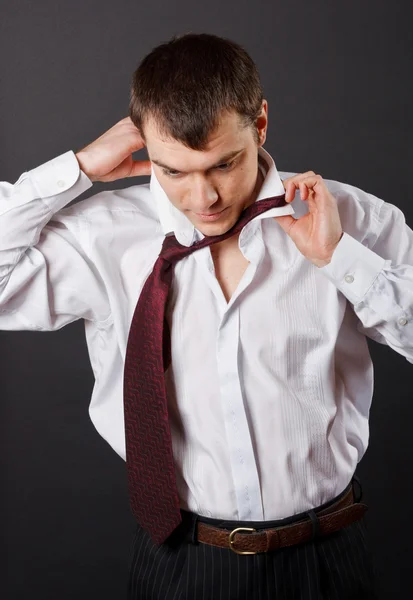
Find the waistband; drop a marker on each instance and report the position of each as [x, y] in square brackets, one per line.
[188, 528]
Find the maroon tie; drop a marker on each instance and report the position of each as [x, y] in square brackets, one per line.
[149, 458]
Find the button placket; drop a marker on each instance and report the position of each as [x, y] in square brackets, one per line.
[241, 452]
[204, 259]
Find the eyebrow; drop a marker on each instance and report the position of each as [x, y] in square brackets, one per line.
[221, 161]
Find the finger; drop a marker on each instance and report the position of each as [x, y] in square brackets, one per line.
[306, 174]
[308, 185]
[304, 190]
[295, 180]
[134, 139]
[287, 191]
[316, 192]
[297, 177]
[300, 175]
[313, 180]
[285, 222]
[290, 188]
[308, 191]
[140, 168]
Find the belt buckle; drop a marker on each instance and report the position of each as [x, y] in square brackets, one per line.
[231, 540]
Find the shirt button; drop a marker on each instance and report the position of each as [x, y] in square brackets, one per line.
[349, 278]
[402, 321]
[61, 183]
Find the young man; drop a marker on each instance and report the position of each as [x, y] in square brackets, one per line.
[268, 378]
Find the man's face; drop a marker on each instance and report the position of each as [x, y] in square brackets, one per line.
[212, 186]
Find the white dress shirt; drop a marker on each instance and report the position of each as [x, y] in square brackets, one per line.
[269, 393]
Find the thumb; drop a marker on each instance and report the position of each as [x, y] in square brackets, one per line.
[140, 167]
[285, 222]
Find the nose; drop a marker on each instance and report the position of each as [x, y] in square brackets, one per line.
[203, 195]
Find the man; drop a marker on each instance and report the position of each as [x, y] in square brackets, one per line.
[268, 376]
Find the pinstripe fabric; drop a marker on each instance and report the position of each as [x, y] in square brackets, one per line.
[338, 567]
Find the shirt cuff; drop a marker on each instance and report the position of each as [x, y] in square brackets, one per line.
[59, 180]
[353, 268]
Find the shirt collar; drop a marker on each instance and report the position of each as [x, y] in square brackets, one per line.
[174, 220]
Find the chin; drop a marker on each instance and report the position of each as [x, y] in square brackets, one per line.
[217, 228]
[213, 229]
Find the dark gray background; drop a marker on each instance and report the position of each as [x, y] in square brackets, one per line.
[338, 80]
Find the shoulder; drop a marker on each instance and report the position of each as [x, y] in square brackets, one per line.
[127, 214]
[135, 199]
[124, 212]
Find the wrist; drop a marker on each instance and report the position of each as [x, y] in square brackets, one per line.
[82, 160]
[320, 263]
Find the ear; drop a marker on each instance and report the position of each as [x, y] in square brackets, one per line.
[262, 123]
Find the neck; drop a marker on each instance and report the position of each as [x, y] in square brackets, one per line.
[258, 185]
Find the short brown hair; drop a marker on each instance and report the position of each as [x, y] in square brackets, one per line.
[187, 83]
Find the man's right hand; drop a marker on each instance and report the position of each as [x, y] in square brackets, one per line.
[110, 156]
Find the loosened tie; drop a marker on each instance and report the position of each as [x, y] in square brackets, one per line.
[149, 458]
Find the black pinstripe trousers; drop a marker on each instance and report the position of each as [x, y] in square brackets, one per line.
[336, 567]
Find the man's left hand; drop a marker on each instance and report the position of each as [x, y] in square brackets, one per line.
[317, 233]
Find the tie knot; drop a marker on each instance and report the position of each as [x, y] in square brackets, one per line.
[173, 251]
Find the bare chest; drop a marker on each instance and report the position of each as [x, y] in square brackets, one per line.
[230, 265]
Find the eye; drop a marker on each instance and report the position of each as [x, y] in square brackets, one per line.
[224, 166]
[170, 173]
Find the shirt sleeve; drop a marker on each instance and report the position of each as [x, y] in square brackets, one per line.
[47, 279]
[378, 281]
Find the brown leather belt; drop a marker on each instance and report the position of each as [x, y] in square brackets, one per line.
[245, 540]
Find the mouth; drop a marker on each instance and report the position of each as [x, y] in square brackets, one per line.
[210, 216]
